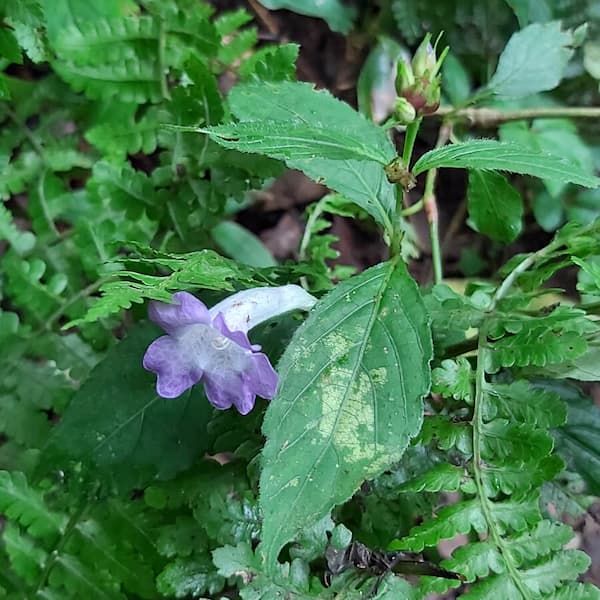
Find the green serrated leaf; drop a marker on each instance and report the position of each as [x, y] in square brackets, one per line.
[503, 156]
[534, 60]
[495, 207]
[293, 140]
[363, 182]
[558, 137]
[349, 399]
[106, 40]
[127, 136]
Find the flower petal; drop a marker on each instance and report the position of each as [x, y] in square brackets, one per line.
[186, 310]
[239, 337]
[247, 309]
[174, 374]
[262, 377]
[225, 392]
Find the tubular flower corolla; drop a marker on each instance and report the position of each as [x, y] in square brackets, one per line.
[213, 346]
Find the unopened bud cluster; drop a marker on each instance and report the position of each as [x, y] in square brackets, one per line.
[418, 83]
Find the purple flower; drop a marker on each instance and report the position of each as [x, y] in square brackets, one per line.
[213, 346]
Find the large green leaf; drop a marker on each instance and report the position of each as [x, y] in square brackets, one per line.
[349, 400]
[558, 137]
[495, 207]
[361, 181]
[500, 156]
[117, 422]
[339, 15]
[291, 140]
[534, 60]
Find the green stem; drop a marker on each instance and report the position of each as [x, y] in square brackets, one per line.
[318, 210]
[486, 505]
[431, 209]
[479, 399]
[409, 140]
[436, 251]
[74, 520]
[413, 209]
[490, 117]
[32, 137]
[44, 206]
[162, 67]
[409, 144]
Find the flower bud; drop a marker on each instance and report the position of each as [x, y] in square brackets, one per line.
[404, 111]
[419, 82]
[404, 77]
[424, 61]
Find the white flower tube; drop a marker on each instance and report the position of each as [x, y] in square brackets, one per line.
[247, 309]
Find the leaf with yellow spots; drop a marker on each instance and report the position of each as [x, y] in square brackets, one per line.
[349, 401]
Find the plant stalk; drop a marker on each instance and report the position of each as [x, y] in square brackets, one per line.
[490, 117]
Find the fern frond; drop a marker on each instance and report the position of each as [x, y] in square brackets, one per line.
[37, 296]
[21, 241]
[453, 379]
[515, 442]
[521, 402]
[447, 434]
[107, 40]
[536, 346]
[26, 557]
[443, 477]
[20, 503]
[133, 80]
[514, 514]
[204, 269]
[508, 477]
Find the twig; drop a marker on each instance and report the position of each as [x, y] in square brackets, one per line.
[263, 14]
[431, 209]
[491, 117]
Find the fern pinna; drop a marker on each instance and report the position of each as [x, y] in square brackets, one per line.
[501, 404]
